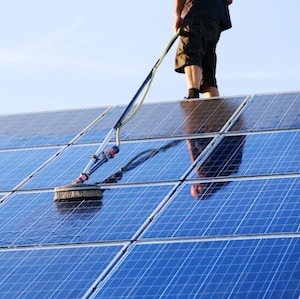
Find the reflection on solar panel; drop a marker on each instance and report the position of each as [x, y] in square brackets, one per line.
[257, 154]
[201, 202]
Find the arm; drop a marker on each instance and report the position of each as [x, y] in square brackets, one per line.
[178, 7]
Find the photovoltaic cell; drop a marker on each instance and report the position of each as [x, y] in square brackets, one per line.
[248, 155]
[218, 269]
[52, 273]
[136, 162]
[178, 119]
[34, 219]
[231, 208]
[17, 165]
[45, 128]
[173, 119]
[270, 111]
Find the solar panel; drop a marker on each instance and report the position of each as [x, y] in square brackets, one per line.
[45, 128]
[210, 269]
[170, 119]
[33, 218]
[241, 207]
[178, 119]
[270, 111]
[248, 155]
[59, 272]
[213, 269]
[18, 165]
[202, 201]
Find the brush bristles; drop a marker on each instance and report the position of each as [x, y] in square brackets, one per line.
[77, 192]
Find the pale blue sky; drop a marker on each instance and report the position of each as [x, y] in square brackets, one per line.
[64, 54]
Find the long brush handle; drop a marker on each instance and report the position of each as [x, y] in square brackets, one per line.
[100, 149]
[95, 161]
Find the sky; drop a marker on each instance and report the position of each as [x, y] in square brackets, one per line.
[70, 54]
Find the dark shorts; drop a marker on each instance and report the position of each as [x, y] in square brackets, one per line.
[197, 46]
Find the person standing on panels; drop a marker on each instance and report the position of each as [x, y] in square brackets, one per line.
[200, 23]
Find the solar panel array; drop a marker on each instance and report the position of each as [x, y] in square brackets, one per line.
[201, 202]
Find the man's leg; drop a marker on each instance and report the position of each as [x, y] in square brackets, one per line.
[211, 92]
[193, 74]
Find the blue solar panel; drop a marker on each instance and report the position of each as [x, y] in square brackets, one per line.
[270, 111]
[173, 119]
[55, 272]
[186, 117]
[214, 269]
[33, 218]
[45, 128]
[231, 208]
[18, 165]
[248, 155]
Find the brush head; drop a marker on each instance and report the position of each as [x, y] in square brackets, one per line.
[77, 192]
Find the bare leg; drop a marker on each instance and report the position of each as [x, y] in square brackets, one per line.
[193, 75]
[211, 92]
